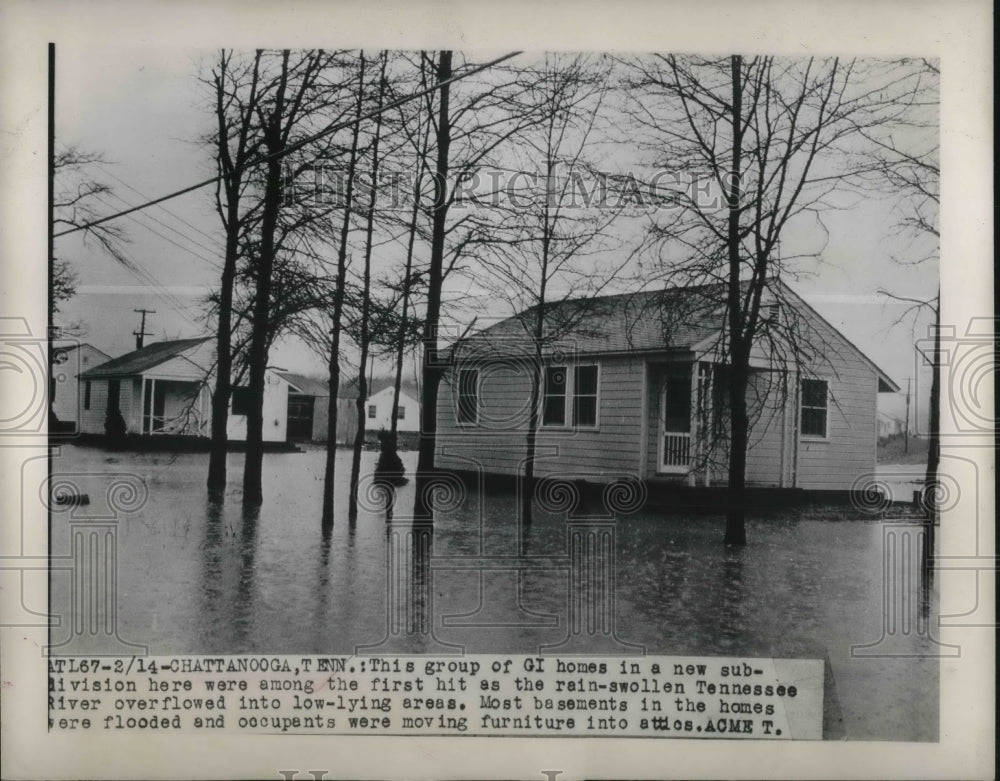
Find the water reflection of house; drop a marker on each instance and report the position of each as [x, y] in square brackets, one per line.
[164, 388]
[635, 385]
[68, 362]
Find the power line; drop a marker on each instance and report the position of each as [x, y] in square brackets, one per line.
[195, 228]
[294, 147]
[211, 262]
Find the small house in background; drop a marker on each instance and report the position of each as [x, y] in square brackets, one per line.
[378, 409]
[165, 388]
[636, 386]
[888, 425]
[68, 362]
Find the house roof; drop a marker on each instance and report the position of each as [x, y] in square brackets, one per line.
[668, 319]
[308, 386]
[349, 388]
[65, 349]
[680, 319]
[141, 360]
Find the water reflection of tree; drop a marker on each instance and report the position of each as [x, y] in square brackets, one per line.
[211, 561]
[243, 607]
[732, 589]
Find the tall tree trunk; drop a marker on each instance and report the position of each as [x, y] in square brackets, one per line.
[329, 471]
[736, 492]
[739, 350]
[934, 435]
[223, 368]
[233, 170]
[397, 383]
[422, 511]
[257, 359]
[423, 133]
[528, 489]
[359, 434]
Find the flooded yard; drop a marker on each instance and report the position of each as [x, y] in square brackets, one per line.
[197, 577]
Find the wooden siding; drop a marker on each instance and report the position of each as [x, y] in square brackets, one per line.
[497, 443]
[92, 420]
[778, 455]
[849, 450]
[766, 405]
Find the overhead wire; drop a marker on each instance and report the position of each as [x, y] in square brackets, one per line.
[332, 128]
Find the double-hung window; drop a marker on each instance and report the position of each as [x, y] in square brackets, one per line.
[815, 407]
[554, 396]
[585, 396]
[468, 397]
[570, 396]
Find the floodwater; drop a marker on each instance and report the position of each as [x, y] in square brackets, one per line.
[200, 577]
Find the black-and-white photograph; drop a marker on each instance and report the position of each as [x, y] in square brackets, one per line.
[447, 352]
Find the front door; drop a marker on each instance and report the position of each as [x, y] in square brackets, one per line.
[675, 421]
[300, 417]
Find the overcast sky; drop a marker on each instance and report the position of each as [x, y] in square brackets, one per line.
[143, 109]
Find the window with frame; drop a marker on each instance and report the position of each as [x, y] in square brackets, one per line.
[468, 396]
[554, 396]
[814, 395]
[241, 400]
[372, 411]
[585, 384]
[400, 413]
[86, 394]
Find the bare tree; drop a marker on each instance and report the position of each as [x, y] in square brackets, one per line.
[337, 310]
[770, 136]
[470, 124]
[298, 98]
[416, 128]
[542, 246]
[237, 94]
[364, 328]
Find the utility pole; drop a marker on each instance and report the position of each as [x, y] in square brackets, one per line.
[142, 328]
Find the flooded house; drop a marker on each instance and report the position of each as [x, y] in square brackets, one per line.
[308, 407]
[165, 388]
[378, 408]
[68, 362]
[635, 385]
[378, 411]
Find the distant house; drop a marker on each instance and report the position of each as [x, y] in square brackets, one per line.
[165, 388]
[378, 409]
[888, 425]
[68, 362]
[636, 386]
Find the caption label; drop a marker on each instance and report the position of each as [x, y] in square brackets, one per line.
[520, 696]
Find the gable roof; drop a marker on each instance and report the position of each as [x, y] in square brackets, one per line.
[307, 386]
[679, 319]
[349, 388]
[668, 319]
[66, 349]
[141, 360]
